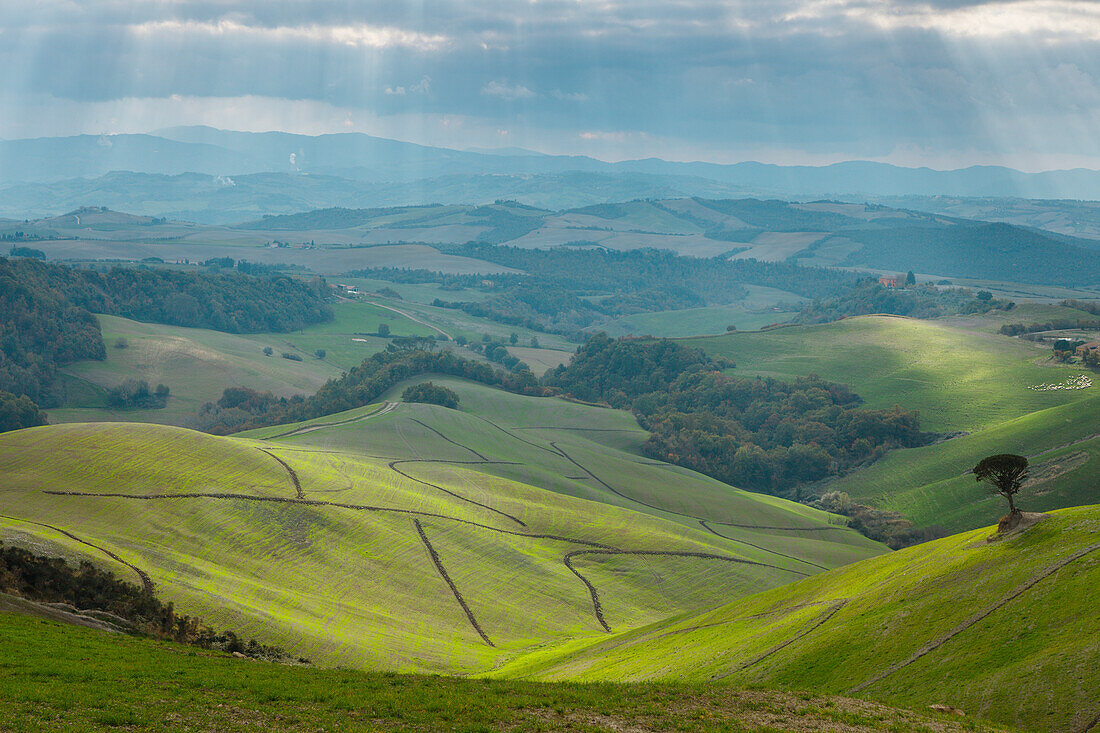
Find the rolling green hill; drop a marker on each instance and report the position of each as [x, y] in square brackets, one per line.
[411, 537]
[1005, 630]
[962, 378]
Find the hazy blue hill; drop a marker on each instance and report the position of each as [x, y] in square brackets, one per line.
[366, 158]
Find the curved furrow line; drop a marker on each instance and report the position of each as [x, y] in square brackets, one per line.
[293, 474]
[707, 527]
[963, 626]
[449, 440]
[597, 607]
[385, 409]
[146, 582]
[338, 505]
[512, 435]
[393, 467]
[829, 613]
[615, 491]
[454, 589]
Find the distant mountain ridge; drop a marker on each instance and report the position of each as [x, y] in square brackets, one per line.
[360, 157]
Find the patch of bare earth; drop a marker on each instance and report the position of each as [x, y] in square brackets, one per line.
[752, 710]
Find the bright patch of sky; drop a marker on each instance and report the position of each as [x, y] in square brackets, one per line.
[944, 83]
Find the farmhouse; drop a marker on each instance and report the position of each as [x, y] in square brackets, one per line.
[889, 281]
[1093, 346]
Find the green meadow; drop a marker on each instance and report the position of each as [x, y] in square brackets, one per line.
[1005, 630]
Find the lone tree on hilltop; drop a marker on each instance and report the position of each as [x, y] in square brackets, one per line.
[1005, 473]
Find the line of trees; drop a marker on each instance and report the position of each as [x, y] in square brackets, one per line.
[85, 587]
[918, 301]
[241, 408]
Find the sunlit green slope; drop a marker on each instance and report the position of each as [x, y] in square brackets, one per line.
[960, 379]
[416, 538]
[1006, 630]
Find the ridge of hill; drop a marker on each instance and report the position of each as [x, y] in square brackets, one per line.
[1003, 629]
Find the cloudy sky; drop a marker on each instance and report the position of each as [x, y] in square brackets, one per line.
[944, 83]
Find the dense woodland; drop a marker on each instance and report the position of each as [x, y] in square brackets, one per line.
[764, 434]
[46, 319]
[230, 302]
[40, 331]
[919, 301]
[18, 412]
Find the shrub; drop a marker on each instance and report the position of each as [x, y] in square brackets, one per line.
[292, 356]
[430, 394]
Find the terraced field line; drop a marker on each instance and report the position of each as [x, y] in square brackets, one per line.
[338, 505]
[454, 589]
[829, 613]
[437, 329]
[943, 639]
[707, 527]
[512, 435]
[384, 410]
[146, 581]
[293, 474]
[449, 440]
[393, 467]
[597, 607]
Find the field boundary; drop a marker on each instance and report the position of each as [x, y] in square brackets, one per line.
[291, 471]
[597, 607]
[454, 589]
[975, 618]
[829, 613]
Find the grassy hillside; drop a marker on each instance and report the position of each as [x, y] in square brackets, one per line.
[195, 363]
[1006, 630]
[138, 684]
[400, 539]
[962, 378]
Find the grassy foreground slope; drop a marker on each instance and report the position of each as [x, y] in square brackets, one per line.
[136, 684]
[397, 552]
[961, 378]
[1006, 630]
